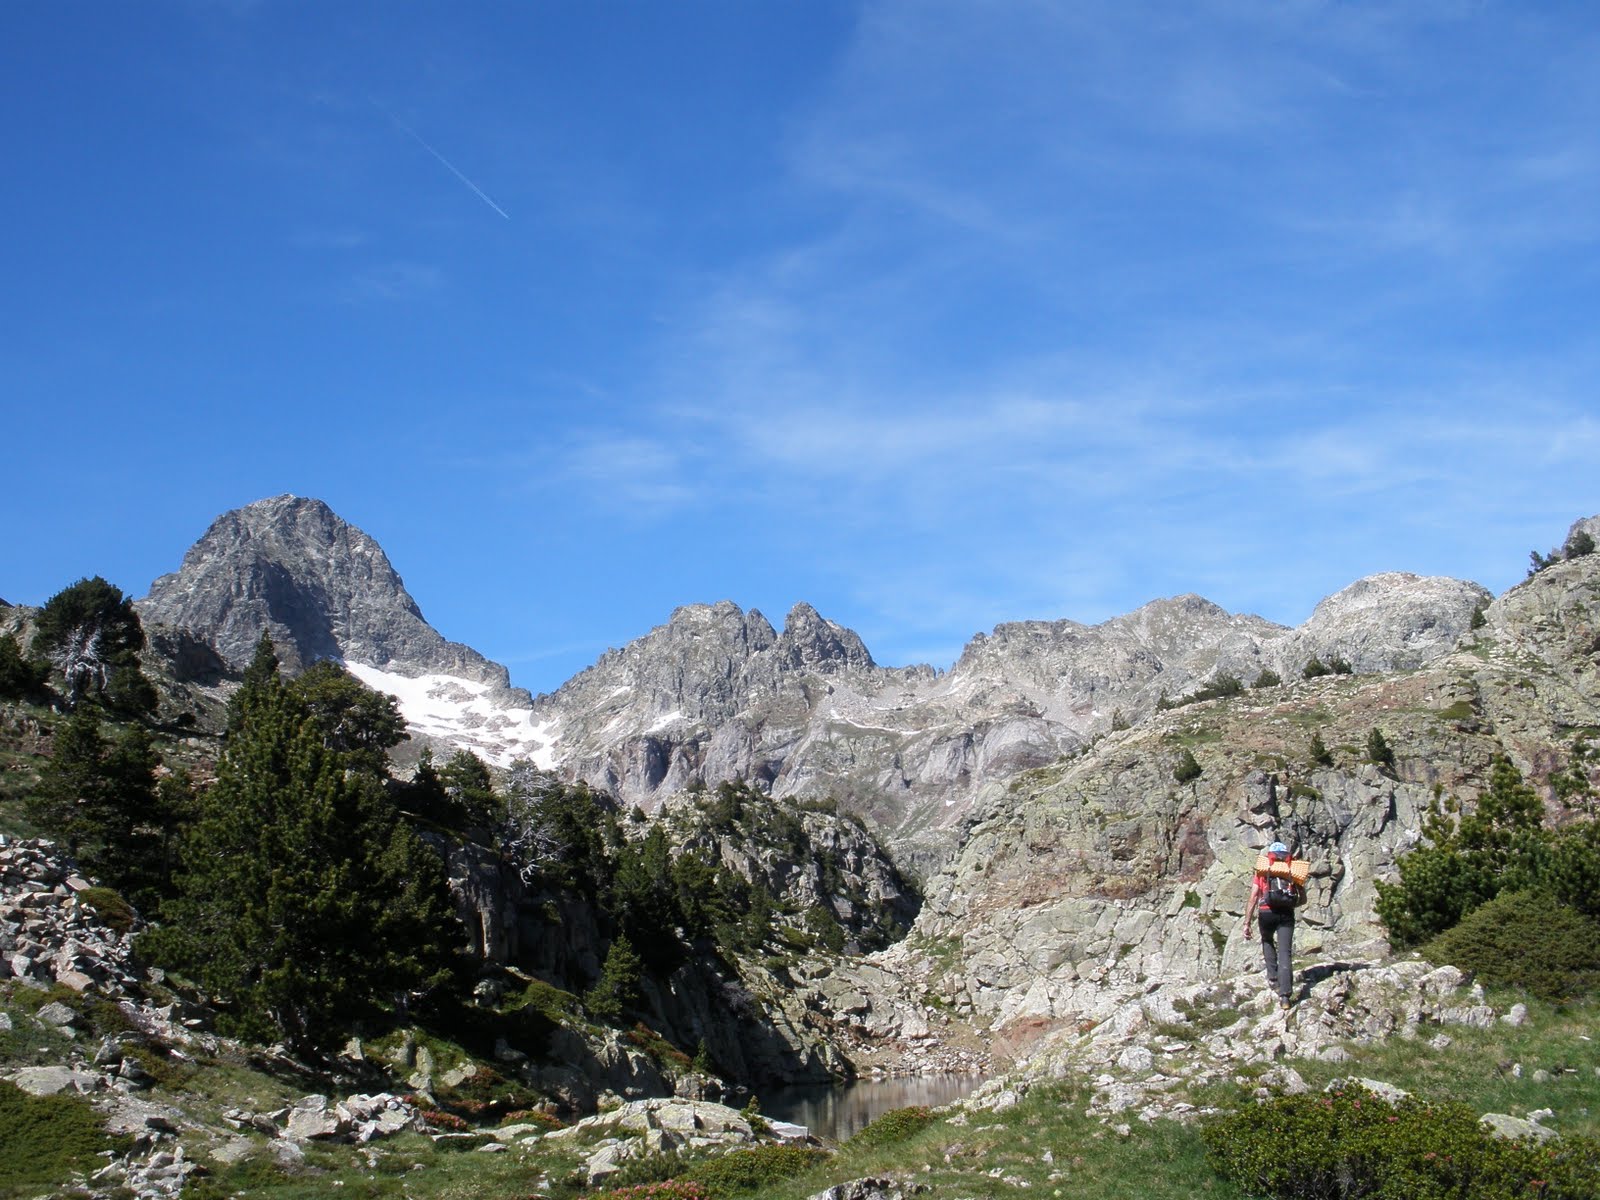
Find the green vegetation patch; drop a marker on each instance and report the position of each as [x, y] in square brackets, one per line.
[107, 904]
[892, 1127]
[672, 1189]
[45, 1139]
[1351, 1143]
[753, 1170]
[1522, 939]
[1198, 1018]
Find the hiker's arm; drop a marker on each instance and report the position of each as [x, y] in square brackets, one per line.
[1250, 908]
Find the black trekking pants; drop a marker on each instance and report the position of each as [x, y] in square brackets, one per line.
[1277, 948]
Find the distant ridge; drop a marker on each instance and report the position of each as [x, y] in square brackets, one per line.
[718, 693]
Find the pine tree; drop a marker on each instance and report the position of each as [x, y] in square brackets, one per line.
[617, 990]
[1320, 755]
[100, 797]
[644, 900]
[1188, 768]
[1468, 860]
[303, 900]
[1379, 752]
[20, 679]
[72, 785]
[263, 669]
[355, 720]
[471, 793]
[91, 634]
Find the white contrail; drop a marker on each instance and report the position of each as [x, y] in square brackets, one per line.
[448, 165]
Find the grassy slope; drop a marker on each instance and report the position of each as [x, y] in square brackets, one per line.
[1045, 1141]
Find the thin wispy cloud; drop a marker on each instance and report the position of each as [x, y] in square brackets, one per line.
[398, 281]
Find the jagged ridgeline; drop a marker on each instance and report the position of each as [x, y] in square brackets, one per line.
[688, 870]
[718, 693]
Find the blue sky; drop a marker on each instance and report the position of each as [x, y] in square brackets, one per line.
[933, 315]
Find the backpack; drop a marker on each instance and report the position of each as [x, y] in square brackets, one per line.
[1286, 882]
[1284, 895]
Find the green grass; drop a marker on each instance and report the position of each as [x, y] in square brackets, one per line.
[1476, 1068]
[44, 1140]
[1189, 738]
[1164, 1161]
[1310, 718]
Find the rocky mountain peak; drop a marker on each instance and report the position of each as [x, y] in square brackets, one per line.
[811, 642]
[1391, 621]
[320, 586]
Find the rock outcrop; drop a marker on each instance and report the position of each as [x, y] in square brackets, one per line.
[717, 693]
[323, 589]
[1080, 885]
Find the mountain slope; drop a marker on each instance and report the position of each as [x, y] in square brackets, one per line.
[323, 589]
[1096, 879]
[717, 693]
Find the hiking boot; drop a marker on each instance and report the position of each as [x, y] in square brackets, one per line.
[1284, 1005]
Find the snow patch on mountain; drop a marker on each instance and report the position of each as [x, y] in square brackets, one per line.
[462, 713]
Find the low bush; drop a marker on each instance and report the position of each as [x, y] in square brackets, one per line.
[894, 1126]
[674, 1189]
[485, 1095]
[753, 1169]
[257, 1174]
[1351, 1143]
[45, 1139]
[1188, 768]
[1526, 940]
[114, 912]
[649, 1169]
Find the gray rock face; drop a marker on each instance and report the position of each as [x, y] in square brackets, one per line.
[717, 693]
[321, 588]
[1096, 879]
[1394, 621]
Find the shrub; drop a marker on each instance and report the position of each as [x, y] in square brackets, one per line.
[650, 1169]
[46, 1139]
[1526, 940]
[894, 1126]
[1315, 669]
[1351, 1143]
[19, 677]
[1267, 678]
[1188, 768]
[617, 990]
[675, 1189]
[1221, 687]
[1470, 859]
[1320, 754]
[114, 912]
[1379, 752]
[752, 1169]
[752, 1114]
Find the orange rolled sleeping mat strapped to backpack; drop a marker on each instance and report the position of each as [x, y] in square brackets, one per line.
[1297, 869]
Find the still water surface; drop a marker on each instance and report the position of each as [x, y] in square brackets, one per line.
[836, 1112]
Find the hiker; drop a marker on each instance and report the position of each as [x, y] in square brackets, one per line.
[1279, 888]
